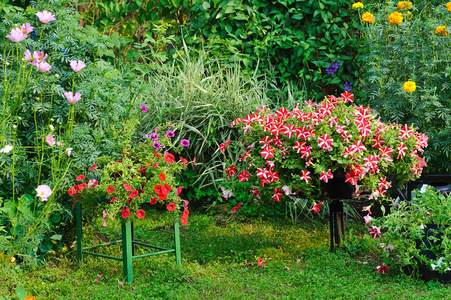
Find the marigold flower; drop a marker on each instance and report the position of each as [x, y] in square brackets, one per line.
[395, 18]
[442, 30]
[404, 5]
[357, 5]
[409, 86]
[368, 18]
[448, 6]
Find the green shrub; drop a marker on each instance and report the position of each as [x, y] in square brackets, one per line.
[288, 41]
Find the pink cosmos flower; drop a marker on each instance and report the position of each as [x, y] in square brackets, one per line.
[16, 35]
[44, 67]
[77, 66]
[27, 28]
[72, 98]
[45, 16]
[44, 192]
[50, 139]
[39, 56]
[29, 57]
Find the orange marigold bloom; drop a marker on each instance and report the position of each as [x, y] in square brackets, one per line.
[448, 6]
[404, 5]
[442, 30]
[395, 18]
[368, 18]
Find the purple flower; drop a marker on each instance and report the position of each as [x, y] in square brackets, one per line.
[144, 108]
[331, 70]
[184, 143]
[170, 133]
[145, 137]
[156, 145]
[348, 87]
[154, 136]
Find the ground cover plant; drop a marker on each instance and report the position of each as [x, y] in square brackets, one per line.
[221, 261]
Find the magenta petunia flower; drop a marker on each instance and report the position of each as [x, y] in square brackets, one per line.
[156, 145]
[77, 66]
[184, 143]
[154, 136]
[144, 108]
[72, 98]
[45, 16]
[27, 28]
[16, 35]
[43, 67]
[170, 133]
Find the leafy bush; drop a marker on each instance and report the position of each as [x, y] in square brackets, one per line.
[288, 41]
[412, 51]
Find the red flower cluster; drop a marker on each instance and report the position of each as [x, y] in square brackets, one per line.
[162, 191]
[184, 219]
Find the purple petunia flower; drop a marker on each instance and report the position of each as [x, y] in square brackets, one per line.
[184, 143]
[156, 145]
[170, 133]
[348, 87]
[154, 136]
[144, 108]
[145, 137]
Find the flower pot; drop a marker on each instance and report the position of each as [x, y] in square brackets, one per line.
[426, 272]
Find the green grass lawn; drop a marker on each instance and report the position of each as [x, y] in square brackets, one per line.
[220, 262]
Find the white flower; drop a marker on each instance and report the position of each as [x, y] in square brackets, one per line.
[423, 188]
[44, 192]
[68, 151]
[52, 128]
[6, 149]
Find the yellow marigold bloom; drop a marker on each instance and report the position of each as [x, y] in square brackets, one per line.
[448, 6]
[441, 30]
[409, 86]
[357, 5]
[408, 15]
[395, 18]
[368, 18]
[404, 5]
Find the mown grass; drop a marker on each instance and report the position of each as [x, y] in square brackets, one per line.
[220, 262]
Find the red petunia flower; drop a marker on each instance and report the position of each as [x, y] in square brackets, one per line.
[125, 212]
[80, 178]
[179, 190]
[133, 194]
[110, 189]
[113, 199]
[163, 196]
[140, 214]
[382, 269]
[157, 155]
[236, 207]
[153, 200]
[316, 207]
[162, 176]
[127, 187]
[72, 191]
[93, 167]
[184, 161]
[158, 189]
[171, 207]
[169, 158]
[166, 188]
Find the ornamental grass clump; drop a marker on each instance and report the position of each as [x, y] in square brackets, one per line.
[296, 152]
[145, 173]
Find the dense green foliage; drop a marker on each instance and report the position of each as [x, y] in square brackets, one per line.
[290, 41]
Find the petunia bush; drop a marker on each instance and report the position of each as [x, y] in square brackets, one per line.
[297, 152]
[145, 173]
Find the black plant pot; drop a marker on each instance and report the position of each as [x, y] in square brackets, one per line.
[425, 271]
